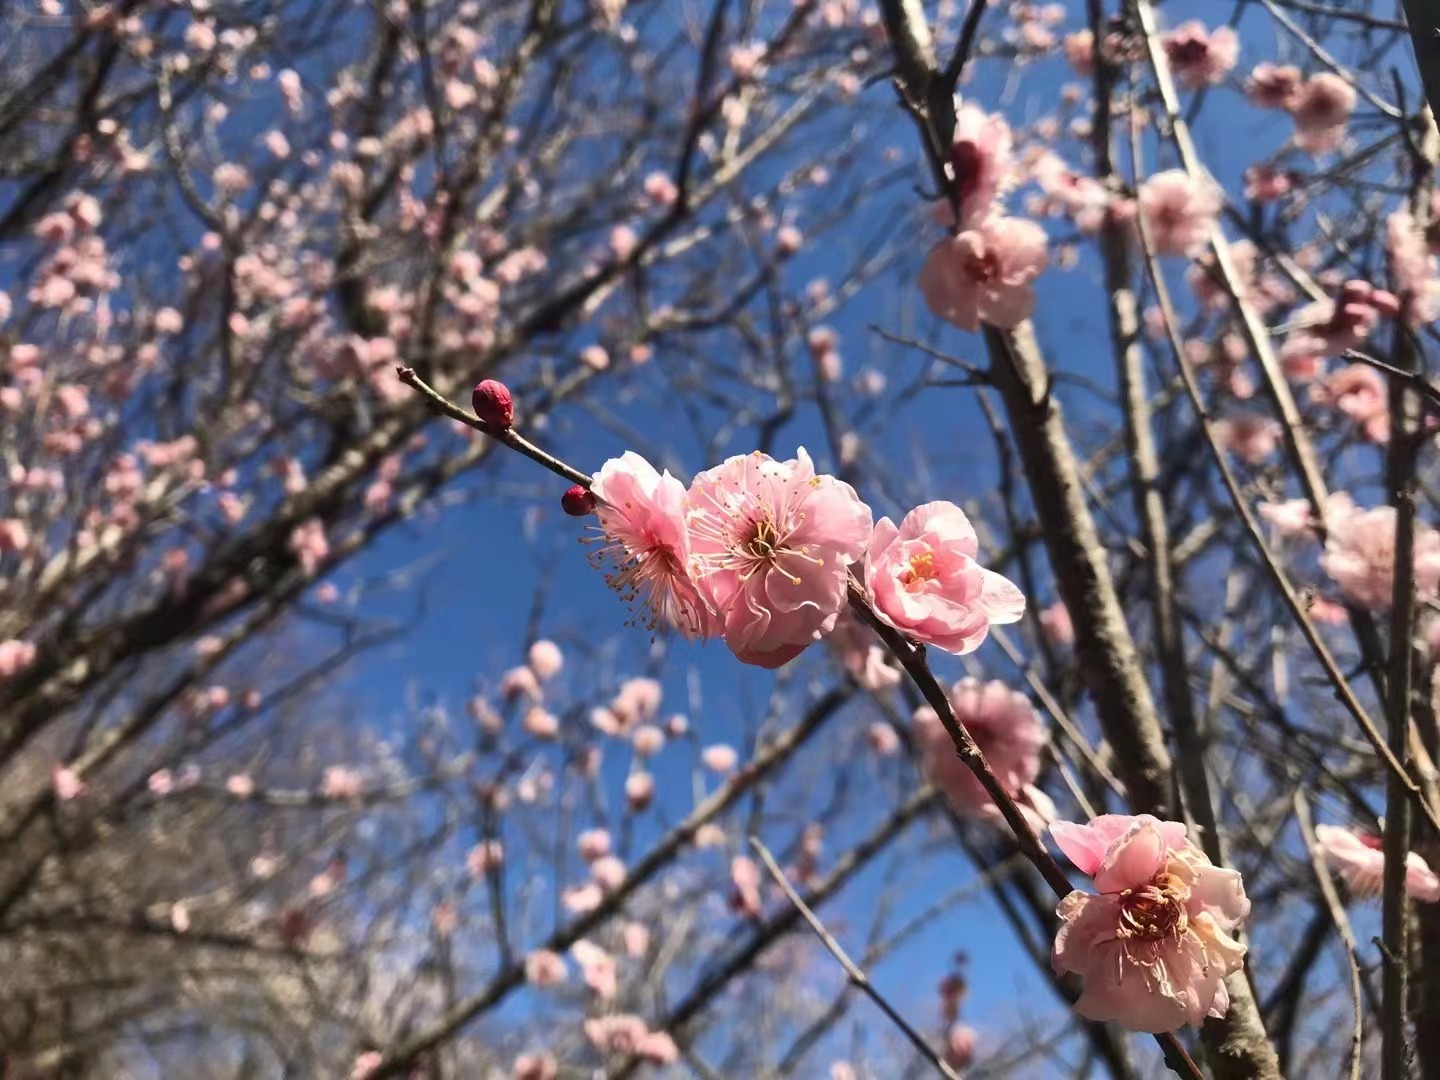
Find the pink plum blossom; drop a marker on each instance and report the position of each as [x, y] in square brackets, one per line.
[1413, 268]
[1359, 391]
[1057, 626]
[544, 968]
[866, 661]
[1153, 944]
[1320, 108]
[642, 521]
[771, 542]
[985, 273]
[545, 659]
[1179, 212]
[597, 968]
[1359, 860]
[979, 162]
[1359, 554]
[925, 582]
[1200, 57]
[1004, 725]
[719, 758]
[15, 657]
[535, 1067]
[367, 1062]
[1273, 86]
[1250, 436]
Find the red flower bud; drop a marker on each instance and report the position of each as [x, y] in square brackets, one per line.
[493, 404]
[577, 501]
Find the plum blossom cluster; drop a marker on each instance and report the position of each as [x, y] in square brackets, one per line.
[984, 271]
[760, 552]
[1153, 944]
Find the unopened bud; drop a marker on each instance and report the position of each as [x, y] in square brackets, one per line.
[577, 501]
[493, 404]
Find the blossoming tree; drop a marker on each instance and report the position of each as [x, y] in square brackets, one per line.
[1133, 621]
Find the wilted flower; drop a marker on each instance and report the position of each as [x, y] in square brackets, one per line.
[1153, 943]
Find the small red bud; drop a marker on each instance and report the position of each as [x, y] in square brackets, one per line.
[493, 404]
[577, 501]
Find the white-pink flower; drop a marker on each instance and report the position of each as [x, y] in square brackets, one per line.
[925, 582]
[1200, 57]
[1359, 860]
[770, 543]
[642, 519]
[1321, 108]
[985, 273]
[979, 162]
[1252, 437]
[1153, 943]
[545, 659]
[1178, 212]
[1004, 725]
[1359, 554]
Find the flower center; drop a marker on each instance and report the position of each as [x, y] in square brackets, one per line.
[1155, 911]
[983, 268]
[764, 542]
[1189, 51]
[922, 569]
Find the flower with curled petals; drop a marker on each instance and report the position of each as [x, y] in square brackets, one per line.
[646, 546]
[770, 546]
[985, 274]
[1153, 943]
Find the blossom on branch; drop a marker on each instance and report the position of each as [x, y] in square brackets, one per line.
[1153, 943]
[925, 582]
[1360, 861]
[985, 273]
[770, 543]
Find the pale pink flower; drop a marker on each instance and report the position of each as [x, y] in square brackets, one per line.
[583, 898]
[518, 681]
[597, 968]
[1200, 57]
[593, 843]
[642, 520]
[1291, 518]
[648, 740]
[240, 785]
[1057, 626]
[1080, 52]
[546, 659]
[535, 1067]
[1265, 183]
[1359, 860]
[541, 724]
[1154, 945]
[1359, 554]
[14, 536]
[484, 857]
[66, 782]
[1412, 267]
[1273, 86]
[637, 939]
[1179, 212]
[544, 967]
[637, 700]
[1359, 391]
[161, 783]
[924, 581]
[617, 1034]
[338, 782]
[1252, 437]
[985, 273]
[719, 758]
[882, 739]
[661, 190]
[608, 872]
[867, 661]
[366, 1064]
[310, 545]
[1004, 725]
[960, 1046]
[745, 887]
[639, 790]
[771, 542]
[15, 657]
[979, 163]
[1321, 108]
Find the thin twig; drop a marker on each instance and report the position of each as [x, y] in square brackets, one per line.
[1336, 909]
[857, 978]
